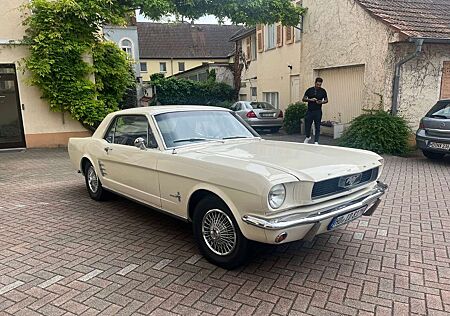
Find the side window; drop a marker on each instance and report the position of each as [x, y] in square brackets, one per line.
[127, 128]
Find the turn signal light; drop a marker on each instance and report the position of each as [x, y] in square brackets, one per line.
[281, 114]
[251, 114]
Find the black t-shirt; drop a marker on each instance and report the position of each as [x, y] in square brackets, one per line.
[319, 94]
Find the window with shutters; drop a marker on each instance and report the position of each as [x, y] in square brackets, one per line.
[260, 37]
[270, 36]
[248, 48]
[279, 35]
[299, 27]
[289, 34]
[254, 52]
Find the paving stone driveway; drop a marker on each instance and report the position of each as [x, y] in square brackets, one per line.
[61, 253]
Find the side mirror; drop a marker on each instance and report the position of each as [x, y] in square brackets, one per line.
[140, 143]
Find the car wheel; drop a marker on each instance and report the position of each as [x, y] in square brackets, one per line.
[93, 184]
[217, 234]
[432, 155]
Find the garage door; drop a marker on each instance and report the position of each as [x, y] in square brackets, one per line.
[345, 87]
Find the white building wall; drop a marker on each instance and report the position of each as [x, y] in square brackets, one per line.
[341, 33]
[420, 81]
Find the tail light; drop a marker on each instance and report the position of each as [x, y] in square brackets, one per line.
[251, 114]
[281, 114]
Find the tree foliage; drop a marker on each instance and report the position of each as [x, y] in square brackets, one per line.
[62, 34]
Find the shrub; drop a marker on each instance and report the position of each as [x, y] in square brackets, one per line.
[183, 91]
[378, 131]
[292, 117]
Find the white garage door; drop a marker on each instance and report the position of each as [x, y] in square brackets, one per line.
[345, 87]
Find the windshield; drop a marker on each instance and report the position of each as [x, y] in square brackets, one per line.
[261, 105]
[440, 110]
[182, 128]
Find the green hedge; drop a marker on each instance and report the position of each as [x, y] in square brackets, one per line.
[292, 117]
[378, 131]
[183, 91]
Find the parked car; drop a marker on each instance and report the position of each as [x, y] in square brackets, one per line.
[433, 135]
[259, 115]
[207, 166]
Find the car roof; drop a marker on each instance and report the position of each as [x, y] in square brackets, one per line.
[153, 110]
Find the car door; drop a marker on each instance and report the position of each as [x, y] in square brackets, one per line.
[127, 169]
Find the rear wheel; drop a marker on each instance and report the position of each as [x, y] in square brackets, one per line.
[432, 155]
[93, 184]
[217, 234]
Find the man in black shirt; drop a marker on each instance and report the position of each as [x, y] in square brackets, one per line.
[315, 96]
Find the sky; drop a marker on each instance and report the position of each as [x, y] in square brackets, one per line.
[208, 19]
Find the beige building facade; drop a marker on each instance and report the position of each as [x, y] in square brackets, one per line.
[25, 118]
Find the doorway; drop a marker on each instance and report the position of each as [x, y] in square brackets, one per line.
[11, 126]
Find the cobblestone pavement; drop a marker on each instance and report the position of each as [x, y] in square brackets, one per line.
[62, 253]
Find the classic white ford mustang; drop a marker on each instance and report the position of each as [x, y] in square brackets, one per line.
[207, 166]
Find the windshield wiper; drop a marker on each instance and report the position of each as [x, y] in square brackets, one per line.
[235, 137]
[189, 140]
[196, 140]
[439, 116]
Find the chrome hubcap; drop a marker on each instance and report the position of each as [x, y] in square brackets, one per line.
[218, 232]
[92, 180]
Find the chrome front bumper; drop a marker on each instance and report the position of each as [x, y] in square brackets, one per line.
[370, 200]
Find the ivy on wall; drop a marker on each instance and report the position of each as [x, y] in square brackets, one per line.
[63, 36]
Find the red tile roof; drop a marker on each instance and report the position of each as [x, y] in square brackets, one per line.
[183, 40]
[414, 18]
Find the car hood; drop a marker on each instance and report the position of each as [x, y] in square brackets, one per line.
[304, 161]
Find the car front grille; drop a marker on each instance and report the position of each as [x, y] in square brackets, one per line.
[332, 186]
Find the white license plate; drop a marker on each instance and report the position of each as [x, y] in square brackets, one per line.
[347, 217]
[439, 146]
[267, 115]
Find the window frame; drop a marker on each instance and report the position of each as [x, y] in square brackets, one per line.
[146, 66]
[184, 66]
[113, 123]
[270, 37]
[165, 66]
[127, 49]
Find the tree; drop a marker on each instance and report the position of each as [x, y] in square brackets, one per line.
[61, 33]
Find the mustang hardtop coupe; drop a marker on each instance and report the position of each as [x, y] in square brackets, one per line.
[207, 166]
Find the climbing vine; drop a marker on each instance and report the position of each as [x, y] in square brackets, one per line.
[66, 51]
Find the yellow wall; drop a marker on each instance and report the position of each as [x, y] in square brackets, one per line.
[272, 71]
[42, 128]
[172, 65]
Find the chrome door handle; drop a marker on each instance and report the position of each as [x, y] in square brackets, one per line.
[108, 149]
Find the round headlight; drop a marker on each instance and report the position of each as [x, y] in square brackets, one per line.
[277, 195]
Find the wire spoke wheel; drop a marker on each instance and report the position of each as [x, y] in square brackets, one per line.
[219, 232]
[92, 179]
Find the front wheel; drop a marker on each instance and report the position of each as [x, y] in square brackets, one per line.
[217, 234]
[432, 155]
[93, 184]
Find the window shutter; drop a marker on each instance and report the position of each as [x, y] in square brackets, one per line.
[289, 35]
[279, 35]
[249, 48]
[260, 37]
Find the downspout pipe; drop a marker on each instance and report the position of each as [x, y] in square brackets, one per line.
[398, 67]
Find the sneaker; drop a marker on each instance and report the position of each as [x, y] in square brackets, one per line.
[307, 139]
[316, 143]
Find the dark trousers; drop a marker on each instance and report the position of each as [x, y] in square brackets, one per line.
[316, 117]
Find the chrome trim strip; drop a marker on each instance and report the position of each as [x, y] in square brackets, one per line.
[284, 222]
[435, 130]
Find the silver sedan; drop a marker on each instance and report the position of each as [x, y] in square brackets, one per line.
[259, 115]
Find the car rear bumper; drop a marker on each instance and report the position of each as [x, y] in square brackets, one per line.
[265, 123]
[298, 226]
[423, 140]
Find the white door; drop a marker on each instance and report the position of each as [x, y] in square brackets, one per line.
[295, 89]
[345, 86]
